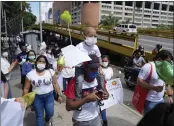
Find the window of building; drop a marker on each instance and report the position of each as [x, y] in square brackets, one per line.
[138, 4]
[118, 3]
[155, 16]
[129, 3]
[164, 7]
[154, 20]
[106, 2]
[154, 24]
[132, 26]
[156, 6]
[148, 5]
[171, 8]
[146, 15]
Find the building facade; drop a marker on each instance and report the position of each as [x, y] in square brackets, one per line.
[49, 16]
[58, 8]
[141, 13]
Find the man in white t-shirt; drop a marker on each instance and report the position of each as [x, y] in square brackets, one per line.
[89, 115]
[156, 86]
[88, 46]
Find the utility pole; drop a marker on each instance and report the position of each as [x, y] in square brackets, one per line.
[22, 19]
[134, 3]
[40, 19]
[5, 26]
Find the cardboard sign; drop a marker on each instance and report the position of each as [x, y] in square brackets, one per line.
[74, 56]
[115, 90]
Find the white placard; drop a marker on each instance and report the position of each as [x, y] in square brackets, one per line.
[115, 90]
[74, 56]
[12, 114]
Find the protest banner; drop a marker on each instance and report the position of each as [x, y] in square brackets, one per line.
[74, 56]
[115, 90]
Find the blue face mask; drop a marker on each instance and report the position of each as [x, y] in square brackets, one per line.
[92, 75]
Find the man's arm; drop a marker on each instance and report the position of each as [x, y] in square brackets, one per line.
[72, 104]
[13, 65]
[26, 86]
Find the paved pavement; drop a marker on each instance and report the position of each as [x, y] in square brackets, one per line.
[118, 115]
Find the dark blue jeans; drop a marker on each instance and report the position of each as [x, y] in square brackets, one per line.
[9, 90]
[41, 103]
[103, 115]
[150, 105]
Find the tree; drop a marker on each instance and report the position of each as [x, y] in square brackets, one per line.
[109, 20]
[14, 14]
[28, 19]
[126, 21]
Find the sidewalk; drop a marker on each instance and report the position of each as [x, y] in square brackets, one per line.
[118, 115]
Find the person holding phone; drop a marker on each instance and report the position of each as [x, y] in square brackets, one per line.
[91, 95]
[156, 86]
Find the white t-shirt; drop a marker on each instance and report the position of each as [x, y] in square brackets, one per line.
[140, 61]
[41, 84]
[89, 49]
[108, 73]
[5, 65]
[66, 72]
[144, 73]
[89, 110]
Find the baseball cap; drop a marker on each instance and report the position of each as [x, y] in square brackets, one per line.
[94, 63]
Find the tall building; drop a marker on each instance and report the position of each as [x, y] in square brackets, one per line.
[58, 8]
[141, 13]
[49, 16]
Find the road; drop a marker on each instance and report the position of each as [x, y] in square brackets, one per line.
[118, 115]
[149, 42]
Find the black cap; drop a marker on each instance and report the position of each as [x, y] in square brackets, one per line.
[94, 63]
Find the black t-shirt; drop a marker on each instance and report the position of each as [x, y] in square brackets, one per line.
[3, 79]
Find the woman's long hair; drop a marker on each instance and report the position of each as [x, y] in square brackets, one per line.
[42, 56]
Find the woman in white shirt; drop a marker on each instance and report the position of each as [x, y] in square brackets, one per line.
[5, 65]
[43, 81]
[108, 73]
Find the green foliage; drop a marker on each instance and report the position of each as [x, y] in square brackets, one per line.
[29, 19]
[109, 20]
[165, 27]
[13, 10]
[126, 22]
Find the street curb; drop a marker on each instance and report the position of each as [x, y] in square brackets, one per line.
[128, 108]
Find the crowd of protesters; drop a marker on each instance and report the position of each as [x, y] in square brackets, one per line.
[83, 84]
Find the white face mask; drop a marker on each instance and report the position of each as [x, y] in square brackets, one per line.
[5, 54]
[105, 64]
[41, 66]
[91, 41]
